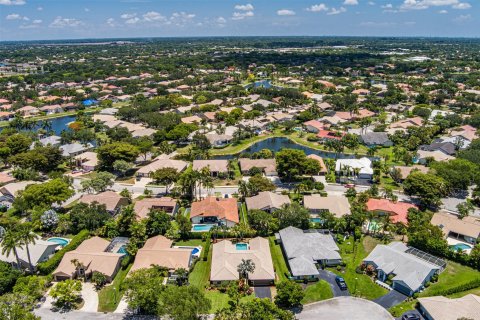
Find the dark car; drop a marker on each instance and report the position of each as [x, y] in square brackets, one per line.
[341, 283]
[410, 316]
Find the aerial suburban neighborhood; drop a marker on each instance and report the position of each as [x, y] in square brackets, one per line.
[240, 178]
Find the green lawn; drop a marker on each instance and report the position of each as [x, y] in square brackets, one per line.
[192, 243]
[109, 296]
[360, 285]
[279, 263]
[317, 292]
[403, 307]
[220, 300]
[243, 213]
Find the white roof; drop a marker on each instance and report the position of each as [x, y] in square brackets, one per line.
[37, 250]
[364, 164]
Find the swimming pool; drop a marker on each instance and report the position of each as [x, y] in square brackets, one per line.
[60, 241]
[202, 227]
[316, 220]
[460, 246]
[122, 250]
[241, 246]
[195, 251]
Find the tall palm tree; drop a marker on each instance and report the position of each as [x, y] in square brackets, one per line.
[27, 237]
[245, 268]
[10, 244]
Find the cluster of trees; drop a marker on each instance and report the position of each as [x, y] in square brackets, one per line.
[292, 163]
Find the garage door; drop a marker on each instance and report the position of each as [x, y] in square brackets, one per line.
[402, 288]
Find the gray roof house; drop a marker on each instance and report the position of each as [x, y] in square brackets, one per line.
[304, 249]
[40, 251]
[74, 149]
[410, 272]
[376, 139]
[267, 201]
[50, 140]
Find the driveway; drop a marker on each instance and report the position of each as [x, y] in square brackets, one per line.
[391, 299]
[330, 278]
[263, 292]
[90, 297]
[415, 312]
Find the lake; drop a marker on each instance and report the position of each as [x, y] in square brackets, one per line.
[267, 84]
[58, 124]
[279, 143]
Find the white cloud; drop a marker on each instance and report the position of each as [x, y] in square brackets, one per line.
[387, 6]
[244, 7]
[425, 4]
[12, 2]
[40, 8]
[128, 15]
[443, 11]
[377, 24]
[242, 15]
[37, 21]
[350, 2]
[153, 16]
[335, 11]
[111, 22]
[86, 9]
[285, 12]
[463, 18]
[133, 20]
[14, 16]
[221, 21]
[60, 22]
[371, 3]
[318, 8]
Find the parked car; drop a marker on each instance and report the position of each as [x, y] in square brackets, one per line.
[349, 185]
[341, 283]
[410, 316]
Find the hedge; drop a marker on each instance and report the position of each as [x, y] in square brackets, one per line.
[51, 264]
[207, 248]
[460, 288]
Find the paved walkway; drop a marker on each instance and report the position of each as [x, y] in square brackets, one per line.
[391, 299]
[263, 292]
[122, 306]
[330, 278]
[90, 298]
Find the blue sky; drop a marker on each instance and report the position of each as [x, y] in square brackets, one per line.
[65, 19]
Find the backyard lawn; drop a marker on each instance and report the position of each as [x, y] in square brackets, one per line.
[360, 285]
[190, 243]
[316, 292]
[109, 296]
[279, 263]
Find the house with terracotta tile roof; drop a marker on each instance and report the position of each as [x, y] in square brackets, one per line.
[158, 251]
[214, 210]
[330, 135]
[397, 211]
[144, 206]
[112, 201]
[313, 126]
[268, 166]
[323, 168]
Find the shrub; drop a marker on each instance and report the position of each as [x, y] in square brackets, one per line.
[207, 247]
[48, 266]
[475, 283]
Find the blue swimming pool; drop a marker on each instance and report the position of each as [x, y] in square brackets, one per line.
[316, 220]
[122, 250]
[202, 227]
[195, 251]
[241, 246]
[61, 241]
[460, 246]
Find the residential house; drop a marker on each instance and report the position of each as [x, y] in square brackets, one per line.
[402, 125]
[460, 233]
[226, 257]
[217, 167]
[158, 251]
[192, 119]
[447, 148]
[337, 205]
[406, 170]
[50, 140]
[11, 190]
[166, 204]
[423, 156]
[323, 168]
[443, 308]
[313, 126]
[52, 109]
[74, 149]
[219, 140]
[371, 139]
[40, 251]
[88, 161]
[398, 211]
[157, 164]
[112, 201]
[362, 166]
[410, 273]
[267, 201]
[307, 250]
[268, 166]
[214, 210]
[28, 111]
[6, 178]
[92, 255]
[325, 135]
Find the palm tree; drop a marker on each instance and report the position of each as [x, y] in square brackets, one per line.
[10, 243]
[27, 237]
[79, 266]
[245, 268]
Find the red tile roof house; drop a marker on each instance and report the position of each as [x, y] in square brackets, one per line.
[328, 135]
[213, 210]
[313, 126]
[397, 211]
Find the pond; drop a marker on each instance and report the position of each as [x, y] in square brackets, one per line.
[58, 124]
[267, 84]
[278, 143]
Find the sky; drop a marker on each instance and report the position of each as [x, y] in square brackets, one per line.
[77, 19]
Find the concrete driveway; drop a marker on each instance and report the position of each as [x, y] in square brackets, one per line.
[412, 312]
[90, 298]
[330, 278]
[263, 292]
[344, 308]
[391, 299]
